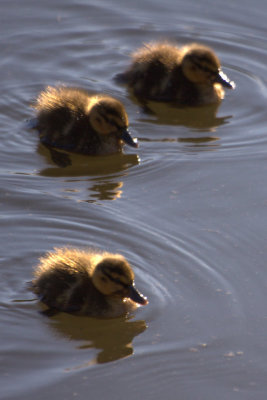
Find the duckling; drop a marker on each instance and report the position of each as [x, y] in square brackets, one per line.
[190, 75]
[71, 119]
[86, 283]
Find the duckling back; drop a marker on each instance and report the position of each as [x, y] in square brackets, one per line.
[151, 70]
[63, 281]
[63, 120]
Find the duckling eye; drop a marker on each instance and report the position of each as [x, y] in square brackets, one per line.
[200, 66]
[116, 280]
[103, 279]
[114, 123]
[119, 282]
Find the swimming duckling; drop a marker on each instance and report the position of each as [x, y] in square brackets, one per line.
[190, 75]
[86, 283]
[71, 119]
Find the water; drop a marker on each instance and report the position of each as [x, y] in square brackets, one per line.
[188, 208]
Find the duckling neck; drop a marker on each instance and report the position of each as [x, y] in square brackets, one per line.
[183, 90]
[106, 306]
[118, 307]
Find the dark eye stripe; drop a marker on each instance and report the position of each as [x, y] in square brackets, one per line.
[113, 123]
[206, 69]
[116, 280]
[102, 115]
[116, 125]
[110, 121]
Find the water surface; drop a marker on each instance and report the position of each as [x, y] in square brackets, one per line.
[188, 208]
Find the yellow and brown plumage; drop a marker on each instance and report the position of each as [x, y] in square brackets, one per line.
[189, 75]
[86, 283]
[72, 120]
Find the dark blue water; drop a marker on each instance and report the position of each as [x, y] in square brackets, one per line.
[188, 208]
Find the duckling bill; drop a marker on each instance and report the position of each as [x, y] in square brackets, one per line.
[72, 120]
[189, 76]
[86, 283]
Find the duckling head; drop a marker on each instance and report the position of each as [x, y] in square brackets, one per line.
[109, 119]
[113, 277]
[201, 66]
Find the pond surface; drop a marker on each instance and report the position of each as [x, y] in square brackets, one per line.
[187, 209]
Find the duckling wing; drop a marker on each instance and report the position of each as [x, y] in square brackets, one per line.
[60, 159]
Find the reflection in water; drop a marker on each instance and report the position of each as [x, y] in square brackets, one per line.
[196, 141]
[105, 174]
[105, 190]
[89, 165]
[201, 118]
[111, 337]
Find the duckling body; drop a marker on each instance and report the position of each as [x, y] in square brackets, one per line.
[86, 283]
[190, 75]
[71, 119]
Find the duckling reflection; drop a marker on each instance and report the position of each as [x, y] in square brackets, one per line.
[70, 119]
[201, 121]
[106, 190]
[103, 190]
[89, 179]
[111, 338]
[190, 75]
[86, 283]
[88, 166]
[199, 118]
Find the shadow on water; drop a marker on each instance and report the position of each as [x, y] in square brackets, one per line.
[112, 338]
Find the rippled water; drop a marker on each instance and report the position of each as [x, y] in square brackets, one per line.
[188, 209]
